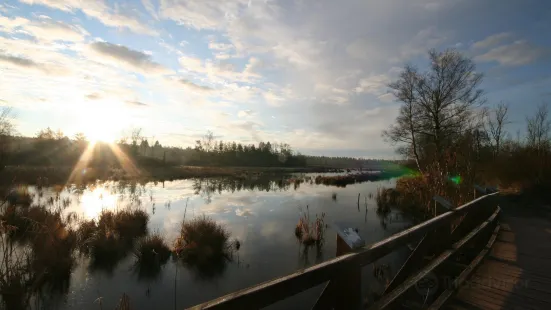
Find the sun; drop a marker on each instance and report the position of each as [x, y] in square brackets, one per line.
[97, 135]
[102, 123]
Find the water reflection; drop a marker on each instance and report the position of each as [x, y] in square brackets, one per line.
[262, 213]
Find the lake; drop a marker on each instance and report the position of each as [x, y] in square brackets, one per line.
[260, 212]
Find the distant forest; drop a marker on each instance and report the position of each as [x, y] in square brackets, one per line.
[54, 148]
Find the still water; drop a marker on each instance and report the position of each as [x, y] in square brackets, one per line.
[260, 213]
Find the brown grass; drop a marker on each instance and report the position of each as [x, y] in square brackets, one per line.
[310, 232]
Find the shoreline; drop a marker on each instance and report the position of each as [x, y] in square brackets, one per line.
[51, 175]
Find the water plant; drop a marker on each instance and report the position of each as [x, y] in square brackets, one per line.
[151, 254]
[204, 246]
[310, 232]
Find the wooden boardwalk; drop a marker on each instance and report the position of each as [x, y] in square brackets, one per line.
[516, 274]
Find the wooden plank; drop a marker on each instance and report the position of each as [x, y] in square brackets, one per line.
[506, 236]
[471, 302]
[390, 298]
[539, 250]
[465, 274]
[492, 266]
[487, 299]
[511, 289]
[520, 283]
[505, 299]
[266, 293]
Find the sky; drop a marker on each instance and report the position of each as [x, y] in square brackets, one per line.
[311, 73]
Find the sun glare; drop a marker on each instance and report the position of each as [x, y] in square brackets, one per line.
[102, 123]
[94, 202]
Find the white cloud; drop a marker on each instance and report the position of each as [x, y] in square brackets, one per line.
[252, 68]
[18, 62]
[44, 29]
[121, 55]
[514, 54]
[492, 40]
[99, 10]
[360, 49]
[191, 63]
[375, 84]
[195, 87]
[245, 113]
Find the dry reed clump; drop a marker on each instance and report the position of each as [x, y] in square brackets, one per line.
[202, 239]
[151, 254]
[310, 232]
[112, 236]
[37, 247]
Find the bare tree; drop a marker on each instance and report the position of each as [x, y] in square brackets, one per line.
[446, 96]
[539, 128]
[496, 120]
[208, 141]
[136, 135]
[407, 122]
[438, 105]
[7, 129]
[80, 137]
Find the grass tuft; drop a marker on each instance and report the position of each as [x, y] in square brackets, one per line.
[204, 245]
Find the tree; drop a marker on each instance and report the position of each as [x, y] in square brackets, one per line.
[80, 137]
[407, 123]
[208, 141]
[7, 129]
[539, 128]
[496, 120]
[46, 134]
[59, 135]
[136, 135]
[437, 105]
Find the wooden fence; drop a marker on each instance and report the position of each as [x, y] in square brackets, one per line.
[446, 246]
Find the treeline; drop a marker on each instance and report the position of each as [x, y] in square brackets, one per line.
[265, 154]
[350, 163]
[455, 141]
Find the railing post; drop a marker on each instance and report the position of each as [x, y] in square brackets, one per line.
[349, 282]
[344, 290]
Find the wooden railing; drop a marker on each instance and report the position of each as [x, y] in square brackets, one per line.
[456, 233]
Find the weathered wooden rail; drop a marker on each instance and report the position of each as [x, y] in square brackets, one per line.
[446, 246]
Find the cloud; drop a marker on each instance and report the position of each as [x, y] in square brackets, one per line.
[245, 113]
[203, 14]
[191, 63]
[44, 29]
[190, 85]
[99, 10]
[359, 49]
[253, 67]
[29, 64]
[492, 40]
[19, 61]
[93, 96]
[136, 103]
[514, 54]
[375, 85]
[132, 59]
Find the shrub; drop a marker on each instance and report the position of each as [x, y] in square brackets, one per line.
[204, 246]
[202, 239]
[151, 253]
[309, 233]
[152, 249]
[112, 237]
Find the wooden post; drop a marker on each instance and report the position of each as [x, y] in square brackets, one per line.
[349, 284]
[344, 291]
